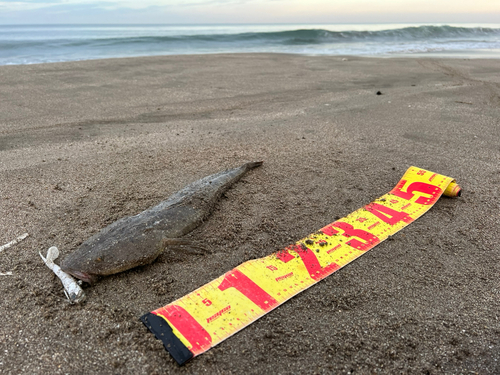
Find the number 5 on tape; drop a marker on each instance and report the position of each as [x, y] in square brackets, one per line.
[202, 319]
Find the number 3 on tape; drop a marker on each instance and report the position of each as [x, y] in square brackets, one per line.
[202, 319]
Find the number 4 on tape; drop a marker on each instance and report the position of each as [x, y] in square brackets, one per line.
[202, 319]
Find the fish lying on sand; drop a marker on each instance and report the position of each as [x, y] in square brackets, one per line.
[138, 240]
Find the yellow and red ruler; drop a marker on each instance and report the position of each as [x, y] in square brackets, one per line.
[202, 319]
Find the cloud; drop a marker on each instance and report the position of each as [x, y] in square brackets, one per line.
[16, 6]
[130, 4]
[119, 11]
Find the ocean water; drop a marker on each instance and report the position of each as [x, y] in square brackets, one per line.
[33, 44]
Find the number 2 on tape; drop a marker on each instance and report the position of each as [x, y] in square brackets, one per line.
[202, 319]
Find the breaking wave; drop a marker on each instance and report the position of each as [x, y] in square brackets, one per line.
[407, 40]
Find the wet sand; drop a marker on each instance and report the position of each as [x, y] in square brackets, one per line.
[83, 144]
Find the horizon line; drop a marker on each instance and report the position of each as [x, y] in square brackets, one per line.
[240, 23]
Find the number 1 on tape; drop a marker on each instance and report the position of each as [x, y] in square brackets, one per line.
[202, 319]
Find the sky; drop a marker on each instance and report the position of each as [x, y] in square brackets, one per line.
[248, 11]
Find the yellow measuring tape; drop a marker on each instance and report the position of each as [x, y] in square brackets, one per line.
[202, 319]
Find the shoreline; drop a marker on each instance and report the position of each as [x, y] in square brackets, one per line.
[85, 143]
[493, 54]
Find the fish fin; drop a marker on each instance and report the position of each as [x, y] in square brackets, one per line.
[185, 246]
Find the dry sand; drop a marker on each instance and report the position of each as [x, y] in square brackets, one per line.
[83, 144]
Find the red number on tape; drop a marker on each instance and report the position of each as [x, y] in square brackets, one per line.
[349, 231]
[433, 190]
[312, 263]
[197, 336]
[241, 282]
[387, 214]
[285, 256]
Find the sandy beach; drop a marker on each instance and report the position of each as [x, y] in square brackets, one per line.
[83, 144]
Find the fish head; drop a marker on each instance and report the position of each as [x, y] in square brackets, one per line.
[110, 252]
[77, 265]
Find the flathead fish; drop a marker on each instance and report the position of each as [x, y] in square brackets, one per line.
[138, 240]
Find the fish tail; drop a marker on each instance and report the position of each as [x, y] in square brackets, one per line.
[253, 164]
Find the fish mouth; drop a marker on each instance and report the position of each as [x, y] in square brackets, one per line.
[82, 276]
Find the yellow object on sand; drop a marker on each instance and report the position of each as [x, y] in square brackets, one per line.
[202, 319]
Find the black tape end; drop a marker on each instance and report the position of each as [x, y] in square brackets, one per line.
[162, 330]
